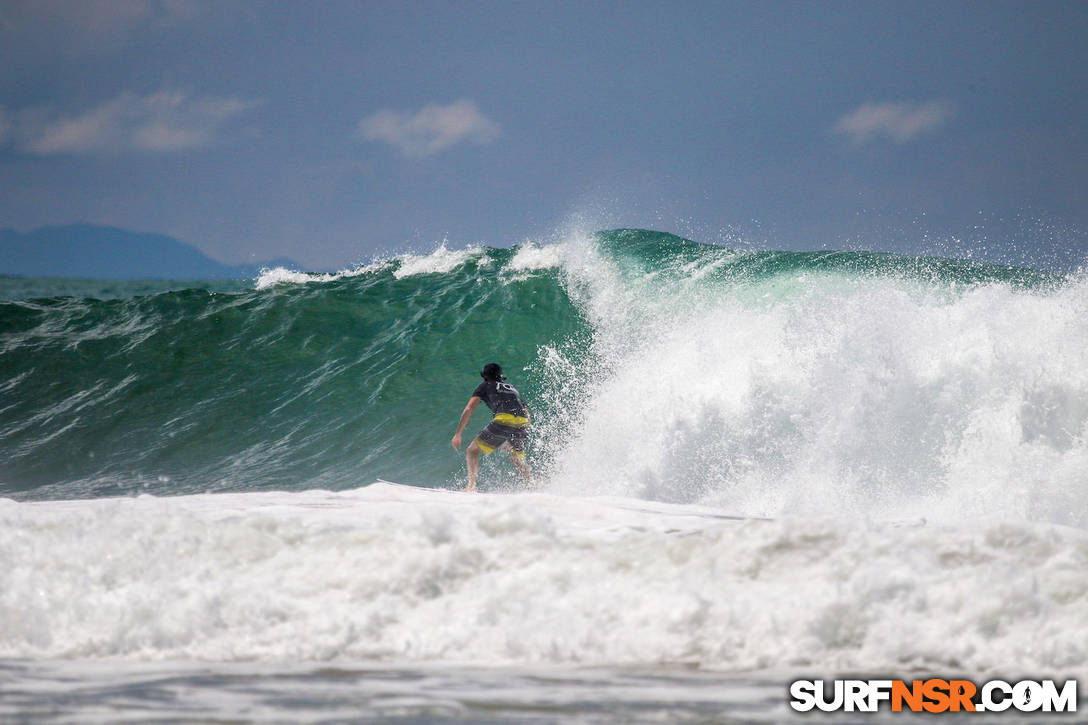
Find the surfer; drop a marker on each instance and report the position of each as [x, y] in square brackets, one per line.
[508, 430]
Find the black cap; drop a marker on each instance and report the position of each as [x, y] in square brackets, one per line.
[492, 371]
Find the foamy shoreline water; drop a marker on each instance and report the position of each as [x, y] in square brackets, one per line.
[389, 573]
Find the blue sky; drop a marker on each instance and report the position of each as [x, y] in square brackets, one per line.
[331, 131]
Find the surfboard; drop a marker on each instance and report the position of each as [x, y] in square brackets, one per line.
[418, 488]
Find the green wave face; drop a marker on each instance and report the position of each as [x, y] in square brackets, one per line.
[301, 385]
[655, 367]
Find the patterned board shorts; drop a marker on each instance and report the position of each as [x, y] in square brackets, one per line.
[496, 433]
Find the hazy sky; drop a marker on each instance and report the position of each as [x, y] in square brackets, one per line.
[329, 131]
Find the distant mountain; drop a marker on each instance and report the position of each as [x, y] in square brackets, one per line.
[97, 252]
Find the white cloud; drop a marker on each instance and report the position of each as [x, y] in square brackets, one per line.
[433, 129]
[159, 122]
[900, 122]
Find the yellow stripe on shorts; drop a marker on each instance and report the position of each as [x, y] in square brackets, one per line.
[514, 420]
[488, 450]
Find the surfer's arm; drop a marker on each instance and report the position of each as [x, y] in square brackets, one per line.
[466, 415]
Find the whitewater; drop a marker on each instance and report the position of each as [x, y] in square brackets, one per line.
[750, 466]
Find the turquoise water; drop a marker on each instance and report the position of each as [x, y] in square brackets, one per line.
[115, 388]
[748, 465]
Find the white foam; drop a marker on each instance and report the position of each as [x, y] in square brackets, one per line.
[875, 396]
[531, 257]
[281, 275]
[440, 261]
[388, 573]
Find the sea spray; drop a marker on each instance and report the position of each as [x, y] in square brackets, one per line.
[845, 383]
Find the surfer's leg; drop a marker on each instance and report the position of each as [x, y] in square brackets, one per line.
[516, 443]
[487, 442]
[518, 459]
[472, 458]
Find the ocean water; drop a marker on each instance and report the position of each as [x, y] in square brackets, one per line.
[750, 467]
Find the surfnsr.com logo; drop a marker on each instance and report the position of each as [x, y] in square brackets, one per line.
[933, 695]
